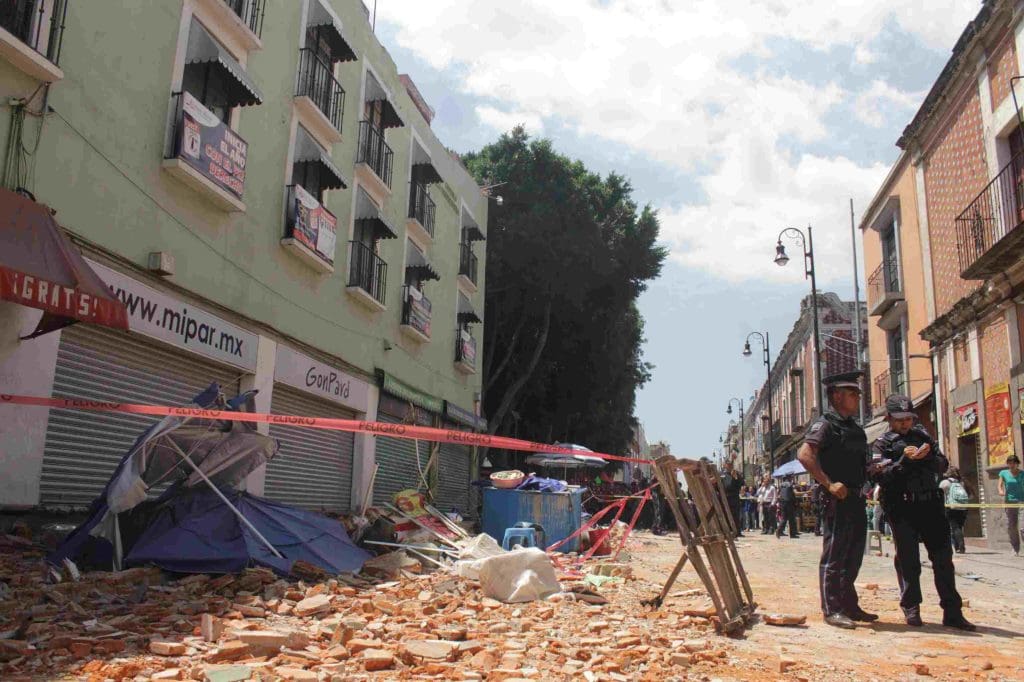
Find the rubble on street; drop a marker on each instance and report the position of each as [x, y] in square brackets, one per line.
[401, 623]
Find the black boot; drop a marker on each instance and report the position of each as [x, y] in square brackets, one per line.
[840, 621]
[861, 615]
[913, 616]
[957, 620]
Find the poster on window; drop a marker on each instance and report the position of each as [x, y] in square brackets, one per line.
[467, 346]
[211, 147]
[314, 225]
[419, 308]
[967, 419]
[998, 424]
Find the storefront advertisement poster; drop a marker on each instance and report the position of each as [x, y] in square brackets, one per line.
[967, 419]
[998, 424]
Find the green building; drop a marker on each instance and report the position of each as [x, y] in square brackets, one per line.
[260, 186]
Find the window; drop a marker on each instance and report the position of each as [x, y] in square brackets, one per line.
[214, 77]
[312, 167]
[890, 258]
[897, 382]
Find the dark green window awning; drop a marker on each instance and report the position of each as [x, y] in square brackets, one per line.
[471, 231]
[466, 314]
[323, 18]
[377, 93]
[418, 263]
[203, 49]
[423, 169]
[368, 211]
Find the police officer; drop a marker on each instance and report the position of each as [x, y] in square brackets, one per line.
[907, 463]
[835, 453]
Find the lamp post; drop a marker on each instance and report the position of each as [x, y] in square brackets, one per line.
[807, 244]
[743, 446]
[767, 359]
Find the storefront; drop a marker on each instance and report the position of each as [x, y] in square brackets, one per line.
[403, 463]
[172, 351]
[313, 468]
[457, 467]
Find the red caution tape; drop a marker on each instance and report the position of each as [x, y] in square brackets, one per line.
[406, 431]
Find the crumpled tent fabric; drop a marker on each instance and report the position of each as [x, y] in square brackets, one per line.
[195, 532]
[792, 468]
[227, 450]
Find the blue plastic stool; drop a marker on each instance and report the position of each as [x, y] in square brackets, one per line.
[527, 535]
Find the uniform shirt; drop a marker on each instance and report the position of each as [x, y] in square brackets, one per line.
[769, 494]
[842, 448]
[897, 473]
[1014, 485]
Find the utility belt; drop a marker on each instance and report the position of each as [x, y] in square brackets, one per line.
[906, 497]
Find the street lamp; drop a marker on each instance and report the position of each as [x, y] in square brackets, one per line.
[767, 359]
[807, 244]
[743, 446]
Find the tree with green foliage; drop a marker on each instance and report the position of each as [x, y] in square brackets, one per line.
[568, 253]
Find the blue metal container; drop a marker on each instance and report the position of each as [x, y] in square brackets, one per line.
[558, 513]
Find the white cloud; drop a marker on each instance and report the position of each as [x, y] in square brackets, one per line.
[881, 100]
[661, 78]
[503, 121]
[863, 54]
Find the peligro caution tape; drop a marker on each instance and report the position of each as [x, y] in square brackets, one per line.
[990, 505]
[407, 431]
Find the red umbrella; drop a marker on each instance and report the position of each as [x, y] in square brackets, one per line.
[40, 268]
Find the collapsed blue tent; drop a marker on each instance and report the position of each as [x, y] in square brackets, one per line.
[789, 469]
[195, 532]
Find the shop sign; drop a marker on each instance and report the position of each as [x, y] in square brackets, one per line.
[418, 310]
[312, 376]
[998, 424]
[967, 419]
[405, 392]
[207, 144]
[153, 313]
[313, 225]
[467, 348]
[465, 417]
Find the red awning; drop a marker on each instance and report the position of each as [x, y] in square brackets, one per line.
[40, 268]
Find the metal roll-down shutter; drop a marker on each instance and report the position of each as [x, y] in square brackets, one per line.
[396, 458]
[83, 447]
[313, 468]
[453, 479]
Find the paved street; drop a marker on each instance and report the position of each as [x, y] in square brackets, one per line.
[783, 574]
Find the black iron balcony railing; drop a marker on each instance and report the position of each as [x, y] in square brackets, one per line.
[992, 218]
[368, 271]
[421, 206]
[884, 284]
[317, 82]
[416, 310]
[467, 261]
[250, 12]
[37, 23]
[374, 151]
[465, 349]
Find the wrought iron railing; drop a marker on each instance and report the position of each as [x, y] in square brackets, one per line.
[317, 82]
[250, 12]
[421, 206]
[374, 151]
[37, 23]
[465, 349]
[416, 311]
[994, 213]
[468, 261]
[884, 280]
[368, 271]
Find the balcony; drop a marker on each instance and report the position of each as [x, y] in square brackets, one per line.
[415, 314]
[884, 288]
[374, 154]
[193, 154]
[310, 230]
[465, 352]
[988, 234]
[421, 211]
[250, 12]
[31, 36]
[468, 264]
[889, 381]
[320, 97]
[367, 277]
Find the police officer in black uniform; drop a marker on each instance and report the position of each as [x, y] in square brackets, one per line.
[907, 463]
[835, 453]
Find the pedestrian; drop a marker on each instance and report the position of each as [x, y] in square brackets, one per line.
[1011, 487]
[733, 484]
[835, 453]
[907, 463]
[750, 508]
[770, 495]
[955, 492]
[787, 508]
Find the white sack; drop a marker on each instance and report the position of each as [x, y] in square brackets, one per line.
[473, 554]
[519, 576]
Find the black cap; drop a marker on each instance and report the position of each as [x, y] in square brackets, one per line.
[844, 380]
[899, 407]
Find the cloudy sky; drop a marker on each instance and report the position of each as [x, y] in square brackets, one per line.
[733, 119]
